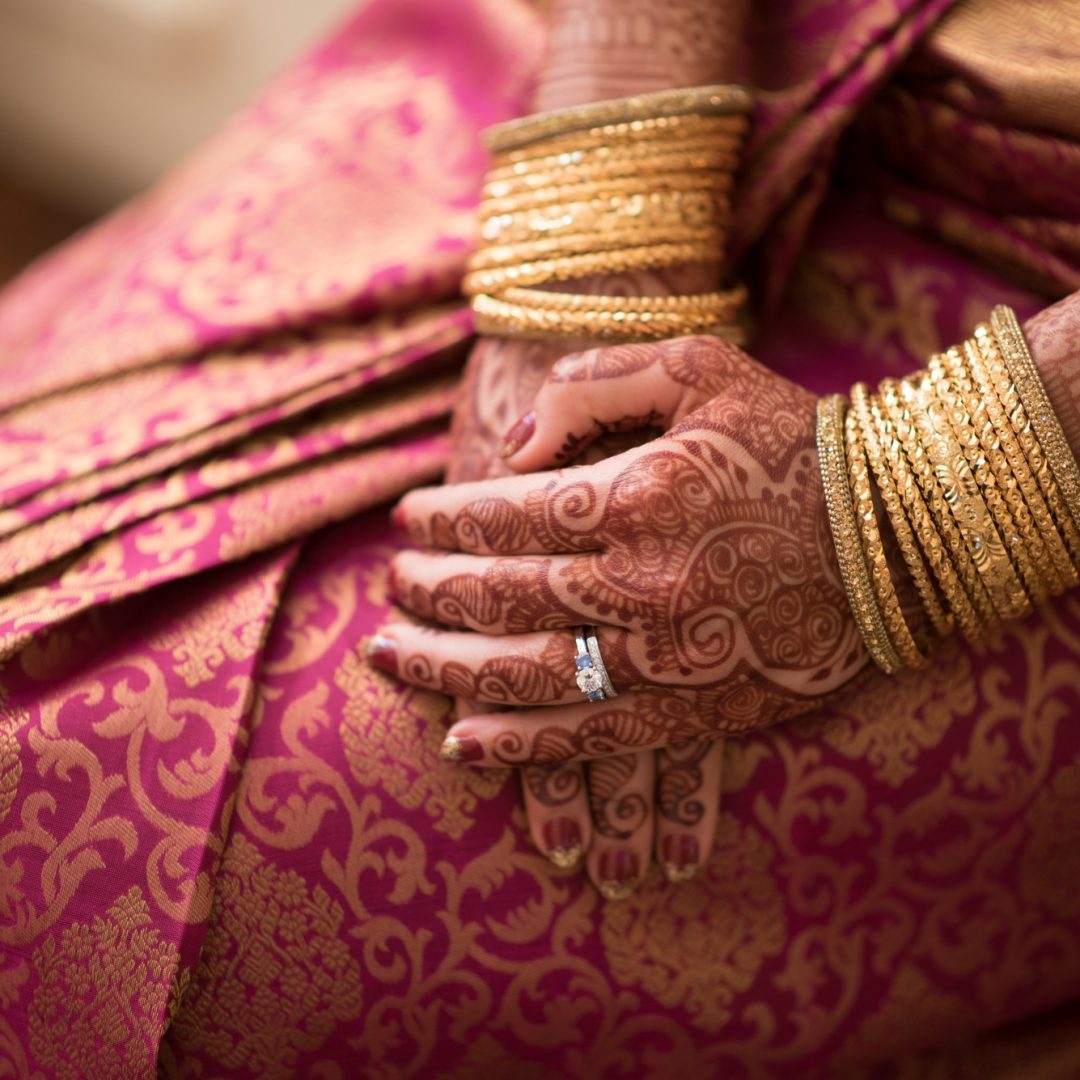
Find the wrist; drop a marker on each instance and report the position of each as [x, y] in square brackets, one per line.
[1054, 339]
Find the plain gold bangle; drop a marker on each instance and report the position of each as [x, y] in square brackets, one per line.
[698, 101]
[845, 533]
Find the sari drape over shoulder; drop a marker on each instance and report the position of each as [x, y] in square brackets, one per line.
[228, 847]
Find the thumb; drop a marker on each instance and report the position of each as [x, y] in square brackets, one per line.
[612, 389]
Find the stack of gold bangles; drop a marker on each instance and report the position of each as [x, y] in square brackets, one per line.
[638, 183]
[979, 485]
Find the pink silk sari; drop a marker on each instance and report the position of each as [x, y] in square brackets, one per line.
[228, 847]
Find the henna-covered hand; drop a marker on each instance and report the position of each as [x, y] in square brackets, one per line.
[704, 557]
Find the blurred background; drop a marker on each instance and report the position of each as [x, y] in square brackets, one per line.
[98, 97]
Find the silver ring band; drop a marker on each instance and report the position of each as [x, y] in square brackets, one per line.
[590, 673]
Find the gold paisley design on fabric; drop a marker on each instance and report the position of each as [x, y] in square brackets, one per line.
[701, 945]
[922, 705]
[230, 627]
[102, 999]
[275, 976]
[391, 736]
[11, 721]
[1050, 862]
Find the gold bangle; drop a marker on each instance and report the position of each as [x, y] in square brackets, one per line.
[691, 209]
[964, 499]
[1040, 534]
[496, 316]
[728, 301]
[908, 433]
[902, 529]
[673, 132]
[845, 534]
[699, 101]
[944, 385]
[500, 256]
[716, 184]
[919, 515]
[1036, 402]
[888, 602]
[1024, 454]
[633, 159]
[570, 267]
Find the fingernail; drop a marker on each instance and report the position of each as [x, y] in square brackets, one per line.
[457, 749]
[397, 519]
[681, 857]
[518, 435]
[562, 838]
[618, 874]
[392, 581]
[382, 653]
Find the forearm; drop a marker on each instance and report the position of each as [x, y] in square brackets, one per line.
[612, 48]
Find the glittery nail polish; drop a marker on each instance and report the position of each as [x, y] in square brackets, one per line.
[562, 839]
[518, 435]
[458, 749]
[382, 654]
[618, 874]
[682, 856]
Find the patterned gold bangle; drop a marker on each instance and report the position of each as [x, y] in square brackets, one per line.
[946, 385]
[658, 209]
[700, 101]
[604, 162]
[888, 602]
[934, 546]
[568, 268]
[845, 534]
[506, 255]
[964, 499]
[715, 184]
[606, 322]
[907, 431]
[1037, 528]
[1044, 422]
[729, 300]
[909, 547]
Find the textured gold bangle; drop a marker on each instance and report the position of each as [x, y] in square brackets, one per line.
[716, 184]
[659, 209]
[894, 507]
[506, 255]
[845, 534]
[905, 427]
[496, 316]
[1036, 402]
[964, 499]
[568, 268]
[700, 101]
[990, 378]
[946, 385]
[933, 544]
[873, 550]
[603, 162]
[728, 301]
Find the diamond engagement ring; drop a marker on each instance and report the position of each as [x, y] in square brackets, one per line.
[591, 675]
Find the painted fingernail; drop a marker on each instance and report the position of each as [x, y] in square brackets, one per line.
[457, 749]
[562, 838]
[392, 583]
[518, 435]
[397, 519]
[682, 856]
[382, 653]
[618, 874]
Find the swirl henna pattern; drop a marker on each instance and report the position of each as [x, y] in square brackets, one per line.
[704, 557]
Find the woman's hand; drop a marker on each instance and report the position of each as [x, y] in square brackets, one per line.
[703, 557]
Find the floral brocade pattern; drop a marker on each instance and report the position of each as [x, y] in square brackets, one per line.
[227, 847]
